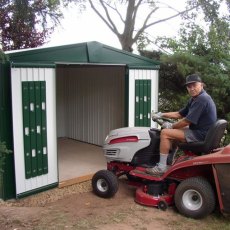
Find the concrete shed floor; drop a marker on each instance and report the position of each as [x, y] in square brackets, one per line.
[78, 161]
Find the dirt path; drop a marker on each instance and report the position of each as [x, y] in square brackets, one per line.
[81, 209]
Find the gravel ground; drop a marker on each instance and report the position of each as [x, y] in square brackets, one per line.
[52, 195]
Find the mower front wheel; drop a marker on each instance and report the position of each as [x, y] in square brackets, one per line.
[105, 183]
[195, 198]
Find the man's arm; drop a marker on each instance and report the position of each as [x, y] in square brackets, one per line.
[173, 115]
[181, 124]
[176, 115]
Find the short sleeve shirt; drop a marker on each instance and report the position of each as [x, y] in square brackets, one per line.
[201, 112]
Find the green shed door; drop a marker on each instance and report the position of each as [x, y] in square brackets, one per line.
[142, 103]
[34, 128]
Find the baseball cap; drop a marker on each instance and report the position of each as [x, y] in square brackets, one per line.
[192, 78]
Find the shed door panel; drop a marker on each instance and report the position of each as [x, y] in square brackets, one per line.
[143, 96]
[35, 152]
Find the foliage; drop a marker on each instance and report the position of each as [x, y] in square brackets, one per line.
[3, 57]
[3, 152]
[205, 51]
[129, 20]
[202, 49]
[27, 23]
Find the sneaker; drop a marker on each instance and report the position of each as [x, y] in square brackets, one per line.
[157, 170]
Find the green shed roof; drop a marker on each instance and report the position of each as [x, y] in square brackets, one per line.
[88, 52]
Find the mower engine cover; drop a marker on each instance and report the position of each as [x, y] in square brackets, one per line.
[121, 144]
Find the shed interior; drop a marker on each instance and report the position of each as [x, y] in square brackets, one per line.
[90, 101]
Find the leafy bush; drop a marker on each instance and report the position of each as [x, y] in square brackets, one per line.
[3, 152]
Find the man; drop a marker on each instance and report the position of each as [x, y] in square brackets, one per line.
[195, 120]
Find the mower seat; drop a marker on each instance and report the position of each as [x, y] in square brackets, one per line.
[211, 142]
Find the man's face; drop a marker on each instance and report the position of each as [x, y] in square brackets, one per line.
[194, 88]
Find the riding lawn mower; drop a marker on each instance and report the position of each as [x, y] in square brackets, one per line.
[196, 182]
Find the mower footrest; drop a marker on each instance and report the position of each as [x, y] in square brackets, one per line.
[140, 172]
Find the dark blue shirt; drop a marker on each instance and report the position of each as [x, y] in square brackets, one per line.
[201, 112]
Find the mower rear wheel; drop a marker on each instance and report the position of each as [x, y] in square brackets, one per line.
[195, 198]
[105, 183]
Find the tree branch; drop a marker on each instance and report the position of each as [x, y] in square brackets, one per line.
[115, 9]
[145, 26]
[109, 23]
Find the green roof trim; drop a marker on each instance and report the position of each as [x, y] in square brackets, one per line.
[88, 52]
[32, 65]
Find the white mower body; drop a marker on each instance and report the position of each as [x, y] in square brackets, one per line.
[122, 144]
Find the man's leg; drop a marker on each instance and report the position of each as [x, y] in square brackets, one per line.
[167, 137]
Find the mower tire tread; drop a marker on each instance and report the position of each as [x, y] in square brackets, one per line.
[105, 184]
[200, 197]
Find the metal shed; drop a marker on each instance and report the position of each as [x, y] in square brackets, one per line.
[78, 91]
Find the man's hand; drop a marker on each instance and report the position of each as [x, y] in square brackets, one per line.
[156, 116]
[167, 125]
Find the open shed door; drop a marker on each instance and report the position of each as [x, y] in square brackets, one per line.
[34, 129]
[143, 96]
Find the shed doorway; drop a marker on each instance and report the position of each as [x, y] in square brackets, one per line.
[90, 101]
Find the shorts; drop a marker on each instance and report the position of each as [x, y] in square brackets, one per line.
[190, 136]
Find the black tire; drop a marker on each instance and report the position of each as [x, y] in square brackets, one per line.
[105, 183]
[162, 205]
[195, 198]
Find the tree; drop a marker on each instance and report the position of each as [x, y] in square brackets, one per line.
[121, 17]
[204, 49]
[27, 23]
